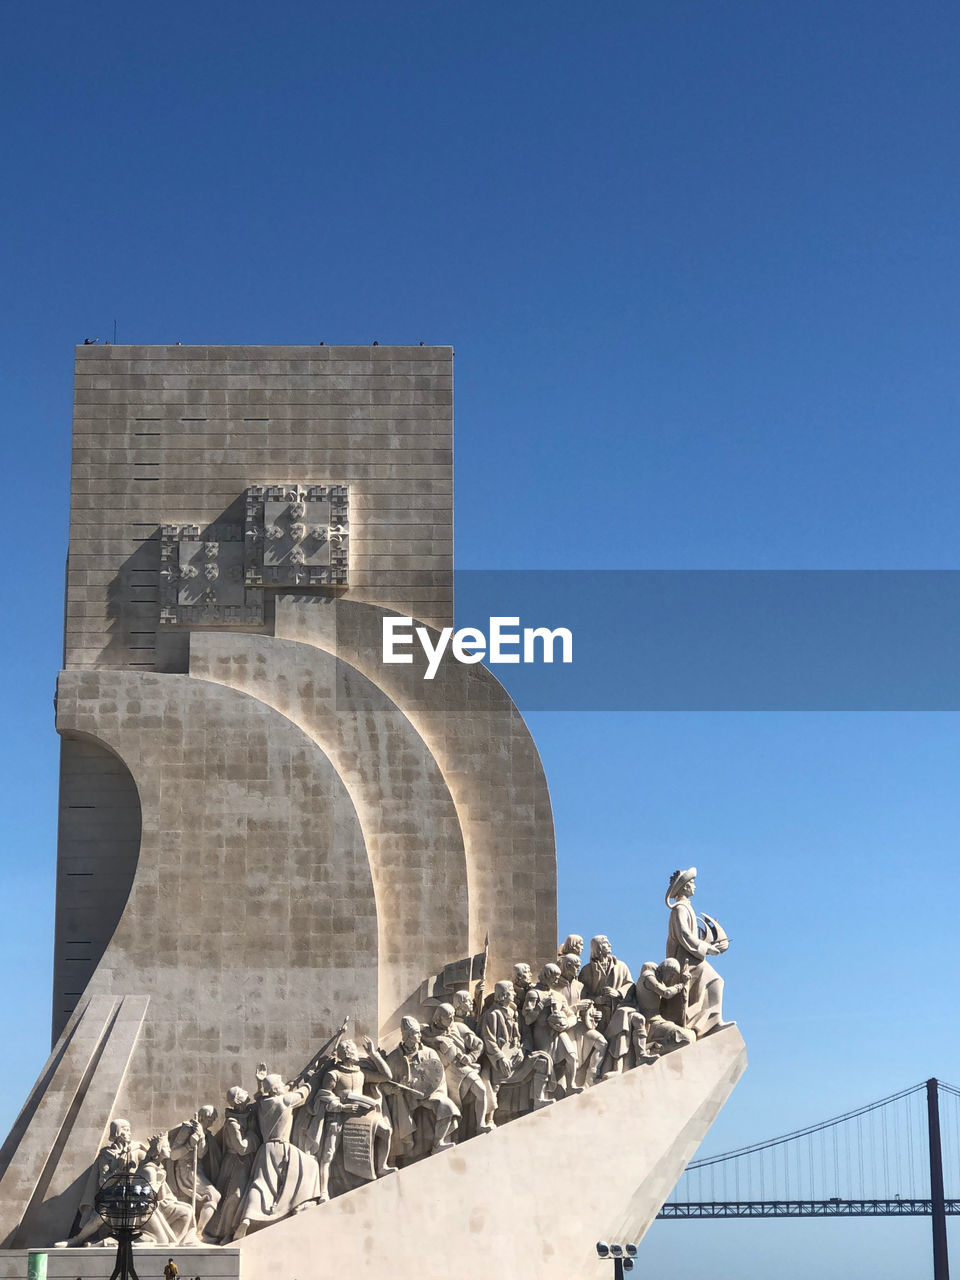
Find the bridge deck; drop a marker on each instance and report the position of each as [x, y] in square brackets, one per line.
[833, 1208]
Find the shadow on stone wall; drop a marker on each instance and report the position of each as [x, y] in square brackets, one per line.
[98, 851]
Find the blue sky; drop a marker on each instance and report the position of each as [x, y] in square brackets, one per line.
[699, 264]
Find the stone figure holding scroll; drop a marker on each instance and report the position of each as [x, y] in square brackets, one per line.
[690, 942]
[283, 1179]
[356, 1115]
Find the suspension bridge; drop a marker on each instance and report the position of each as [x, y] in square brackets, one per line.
[886, 1159]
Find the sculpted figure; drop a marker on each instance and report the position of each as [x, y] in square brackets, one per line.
[522, 982]
[659, 988]
[464, 1009]
[551, 1020]
[572, 946]
[172, 1220]
[342, 1096]
[690, 943]
[572, 986]
[606, 980]
[239, 1142]
[459, 1050]
[591, 1046]
[418, 1067]
[507, 1063]
[640, 1030]
[283, 1179]
[192, 1147]
[120, 1155]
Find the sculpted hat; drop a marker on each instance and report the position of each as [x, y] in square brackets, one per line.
[678, 880]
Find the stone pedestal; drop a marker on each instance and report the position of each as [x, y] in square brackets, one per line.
[530, 1199]
[97, 1263]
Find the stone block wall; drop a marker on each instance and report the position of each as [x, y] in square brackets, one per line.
[174, 434]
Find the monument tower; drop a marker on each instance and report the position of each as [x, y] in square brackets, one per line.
[264, 829]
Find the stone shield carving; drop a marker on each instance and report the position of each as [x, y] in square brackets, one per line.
[425, 1076]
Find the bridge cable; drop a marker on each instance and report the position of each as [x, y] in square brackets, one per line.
[809, 1129]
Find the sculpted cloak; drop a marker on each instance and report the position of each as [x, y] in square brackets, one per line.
[283, 1177]
[239, 1140]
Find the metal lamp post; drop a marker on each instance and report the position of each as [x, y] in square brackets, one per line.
[126, 1203]
[622, 1255]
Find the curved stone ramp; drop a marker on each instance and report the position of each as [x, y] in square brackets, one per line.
[237, 926]
[501, 1204]
[408, 819]
[489, 762]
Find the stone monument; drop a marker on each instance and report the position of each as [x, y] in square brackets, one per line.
[267, 834]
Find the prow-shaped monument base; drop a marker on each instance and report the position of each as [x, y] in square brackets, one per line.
[531, 1198]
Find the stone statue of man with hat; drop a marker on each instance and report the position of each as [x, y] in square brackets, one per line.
[690, 940]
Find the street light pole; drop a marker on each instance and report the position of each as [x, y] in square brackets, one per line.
[124, 1265]
[126, 1203]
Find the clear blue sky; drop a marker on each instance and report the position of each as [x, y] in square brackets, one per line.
[699, 262]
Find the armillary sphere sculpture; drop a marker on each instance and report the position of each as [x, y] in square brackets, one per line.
[126, 1203]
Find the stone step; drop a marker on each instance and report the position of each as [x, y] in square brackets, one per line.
[97, 1263]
